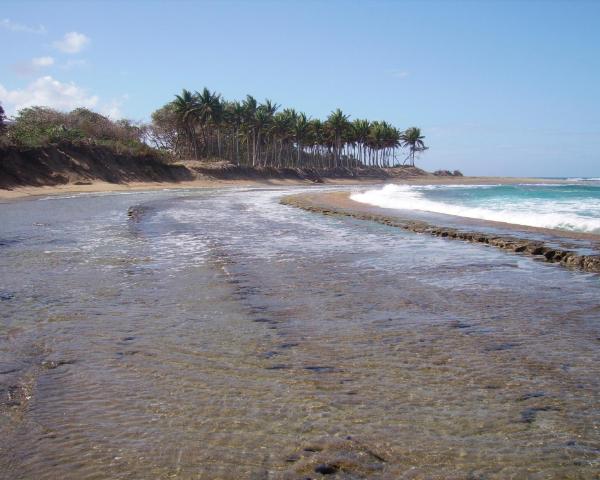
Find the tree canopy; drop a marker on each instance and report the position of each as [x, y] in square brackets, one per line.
[203, 125]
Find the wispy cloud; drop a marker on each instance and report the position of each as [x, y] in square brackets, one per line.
[72, 42]
[8, 24]
[49, 92]
[32, 66]
[40, 62]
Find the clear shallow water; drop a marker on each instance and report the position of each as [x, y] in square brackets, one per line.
[222, 335]
[574, 207]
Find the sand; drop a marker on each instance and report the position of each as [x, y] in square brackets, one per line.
[99, 187]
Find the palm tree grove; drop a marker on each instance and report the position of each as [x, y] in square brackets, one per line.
[203, 125]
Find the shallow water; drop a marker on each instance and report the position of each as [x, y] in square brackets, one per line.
[222, 335]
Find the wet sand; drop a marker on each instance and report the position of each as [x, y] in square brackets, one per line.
[99, 187]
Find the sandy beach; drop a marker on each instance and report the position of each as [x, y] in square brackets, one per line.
[100, 187]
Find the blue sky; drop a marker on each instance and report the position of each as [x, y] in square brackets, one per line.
[498, 88]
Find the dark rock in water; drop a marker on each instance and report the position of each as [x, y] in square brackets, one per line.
[448, 173]
[52, 364]
[6, 296]
[9, 370]
[313, 449]
[327, 469]
[128, 353]
[136, 212]
[320, 369]
[460, 325]
[502, 346]
[530, 414]
[269, 354]
[126, 341]
[279, 366]
[266, 320]
[527, 396]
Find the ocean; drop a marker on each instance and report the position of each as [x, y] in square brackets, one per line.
[574, 206]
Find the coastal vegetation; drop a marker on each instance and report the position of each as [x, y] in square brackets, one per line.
[36, 127]
[203, 125]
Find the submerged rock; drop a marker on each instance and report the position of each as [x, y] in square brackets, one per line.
[327, 469]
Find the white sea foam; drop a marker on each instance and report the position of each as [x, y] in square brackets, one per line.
[536, 213]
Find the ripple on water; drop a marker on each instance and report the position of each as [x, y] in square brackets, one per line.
[227, 336]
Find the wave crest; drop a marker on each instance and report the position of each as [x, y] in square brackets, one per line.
[556, 214]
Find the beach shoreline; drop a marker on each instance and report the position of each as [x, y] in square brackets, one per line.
[553, 246]
[104, 187]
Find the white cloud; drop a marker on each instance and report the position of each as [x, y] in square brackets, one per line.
[72, 42]
[40, 62]
[8, 24]
[48, 92]
[113, 108]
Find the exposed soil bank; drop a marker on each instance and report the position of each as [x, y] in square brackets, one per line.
[81, 164]
[339, 203]
[73, 164]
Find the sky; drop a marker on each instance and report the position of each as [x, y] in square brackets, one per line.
[498, 88]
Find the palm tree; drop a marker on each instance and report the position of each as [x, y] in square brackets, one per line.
[301, 129]
[281, 132]
[338, 123]
[210, 115]
[263, 118]
[233, 116]
[186, 110]
[257, 134]
[413, 139]
[250, 105]
[361, 135]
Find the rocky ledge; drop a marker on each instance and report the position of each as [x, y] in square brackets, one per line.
[536, 248]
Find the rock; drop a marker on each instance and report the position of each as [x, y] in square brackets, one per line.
[530, 414]
[6, 296]
[527, 396]
[501, 347]
[279, 366]
[327, 469]
[52, 364]
[320, 369]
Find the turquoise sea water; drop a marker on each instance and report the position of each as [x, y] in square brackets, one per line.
[574, 206]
